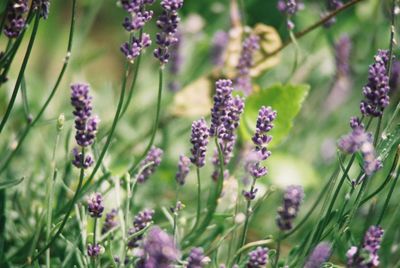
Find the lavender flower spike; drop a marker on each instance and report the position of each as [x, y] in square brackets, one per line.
[95, 205]
[111, 221]
[15, 21]
[159, 250]
[196, 259]
[43, 6]
[289, 8]
[150, 163]
[243, 80]
[199, 140]
[367, 256]
[376, 91]
[94, 251]
[292, 199]
[141, 221]
[222, 100]
[258, 258]
[320, 254]
[183, 169]
[167, 23]
[220, 41]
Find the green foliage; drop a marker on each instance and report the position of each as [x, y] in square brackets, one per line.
[287, 100]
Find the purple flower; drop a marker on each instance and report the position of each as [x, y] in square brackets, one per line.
[222, 103]
[292, 199]
[289, 8]
[199, 140]
[111, 221]
[15, 21]
[367, 256]
[196, 258]
[359, 140]
[219, 44]
[243, 79]
[376, 91]
[258, 258]
[320, 254]
[43, 6]
[141, 221]
[94, 251]
[95, 205]
[395, 76]
[183, 169]
[159, 250]
[176, 58]
[167, 23]
[332, 5]
[342, 56]
[134, 23]
[150, 163]
[77, 160]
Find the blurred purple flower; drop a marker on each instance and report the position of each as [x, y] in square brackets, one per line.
[219, 44]
[141, 221]
[395, 76]
[14, 18]
[94, 251]
[243, 80]
[258, 258]
[150, 163]
[111, 221]
[289, 8]
[292, 199]
[367, 256]
[176, 59]
[196, 258]
[319, 255]
[183, 169]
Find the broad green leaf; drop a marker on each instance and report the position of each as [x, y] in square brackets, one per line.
[285, 99]
[10, 183]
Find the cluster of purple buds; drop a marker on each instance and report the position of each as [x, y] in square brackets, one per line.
[225, 118]
[168, 24]
[332, 5]
[292, 199]
[176, 59]
[94, 251]
[243, 80]
[258, 258]
[289, 8]
[111, 221]
[196, 259]
[141, 221]
[159, 250]
[362, 141]
[183, 169]
[320, 254]
[367, 256]
[95, 205]
[150, 163]
[376, 91]
[134, 24]
[219, 44]
[86, 125]
[43, 7]
[15, 20]
[199, 140]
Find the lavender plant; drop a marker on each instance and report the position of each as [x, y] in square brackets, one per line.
[228, 171]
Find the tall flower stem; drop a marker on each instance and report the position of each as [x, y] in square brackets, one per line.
[21, 72]
[242, 239]
[49, 98]
[49, 196]
[176, 213]
[156, 122]
[94, 239]
[198, 212]
[71, 207]
[212, 202]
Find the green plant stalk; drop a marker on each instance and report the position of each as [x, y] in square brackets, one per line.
[388, 197]
[278, 249]
[52, 93]
[176, 213]
[21, 72]
[49, 198]
[94, 239]
[198, 211]
[65, 219]
[156, 122]
[213, 201]
[242, 239]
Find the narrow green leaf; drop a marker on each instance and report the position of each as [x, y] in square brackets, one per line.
[10, 183]
[287, 100]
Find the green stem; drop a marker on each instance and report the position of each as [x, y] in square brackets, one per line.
[389, 196]
[65, 219]
[176, 212]
[49, 198]
[156, 122]
[198, 198]
[21, 72]
[50, 97]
